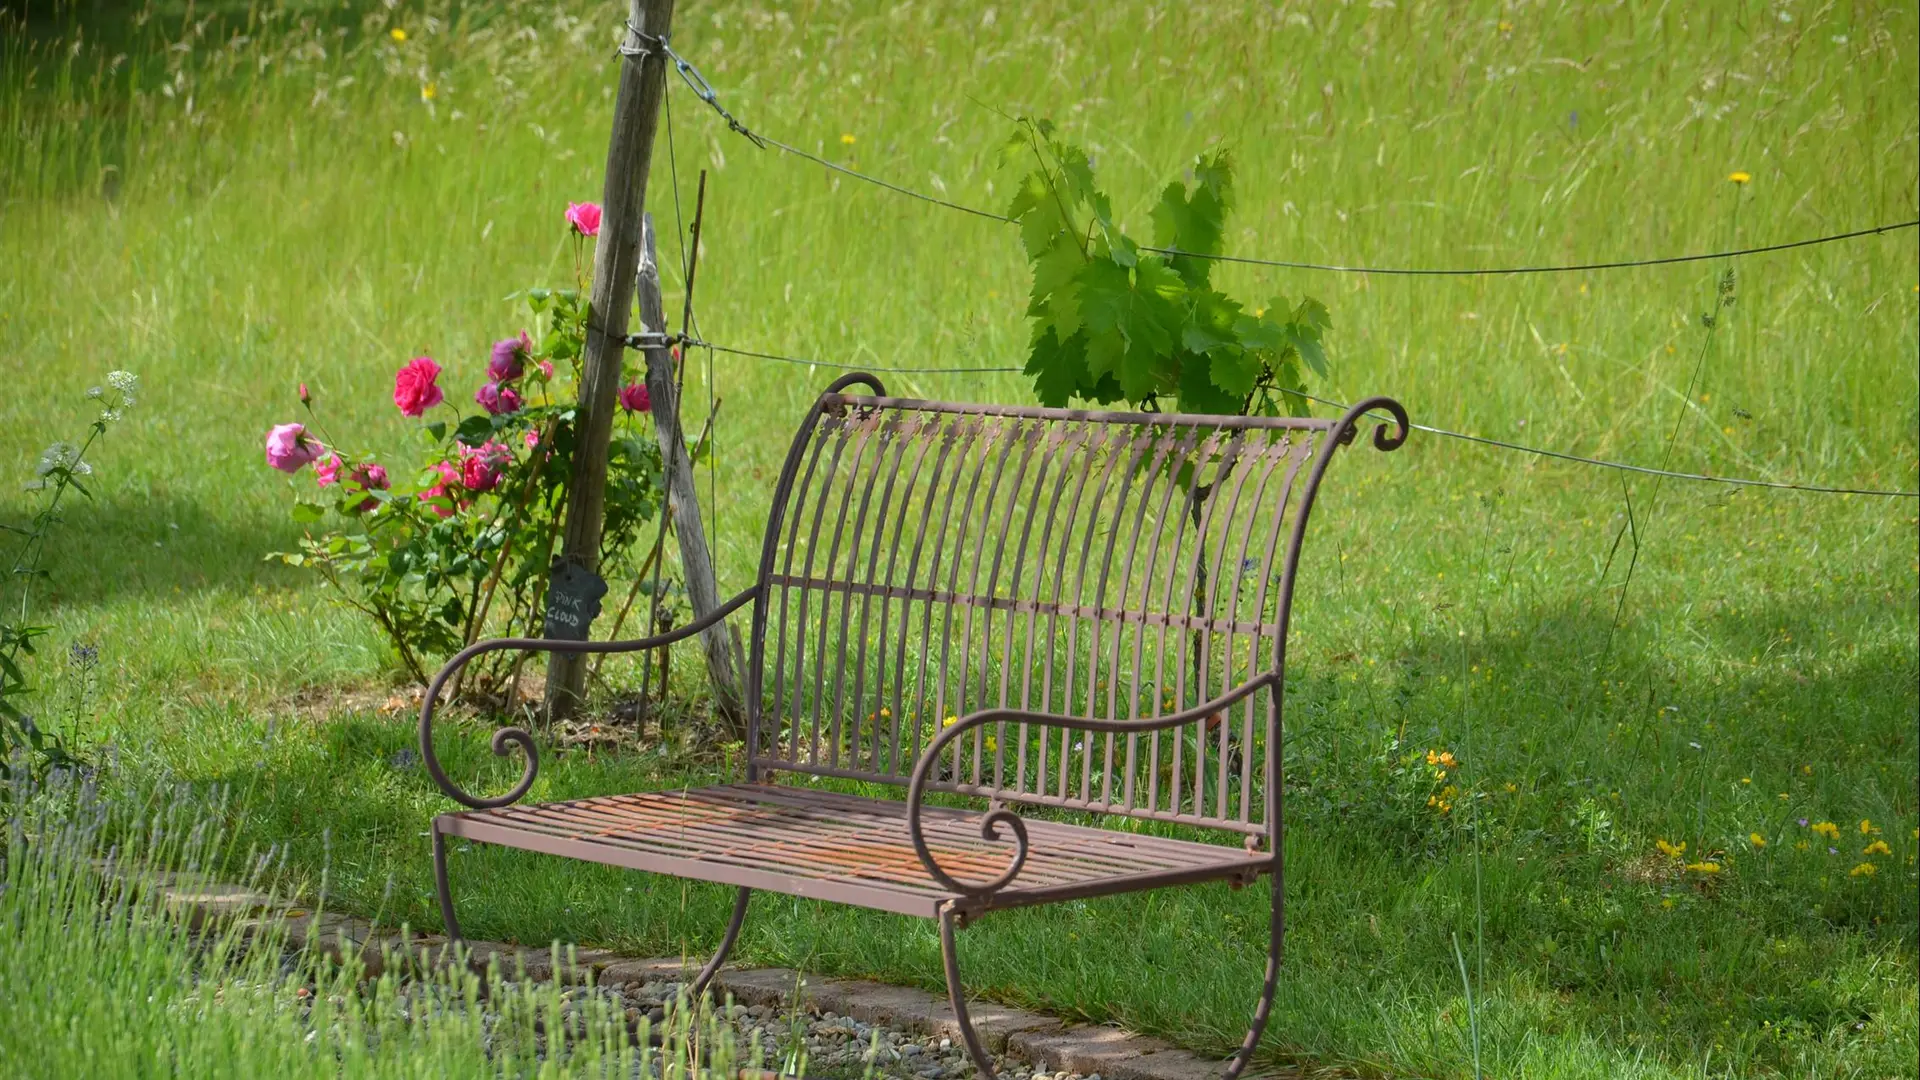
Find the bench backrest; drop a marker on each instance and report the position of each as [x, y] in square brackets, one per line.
[924, 560]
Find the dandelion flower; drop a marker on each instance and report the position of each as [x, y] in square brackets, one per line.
[1739, 177]
[846, 138]
[1865, 869]
[397, 34]
[1878, 847]
[1756, 840]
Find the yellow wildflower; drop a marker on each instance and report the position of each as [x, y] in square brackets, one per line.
[1739, 177]
[1806, 770]
[846, 139]
[1704, 867]
[1756, 840]
[397, 34]
[1866, 827]
[950, 721]
[1827, 829]
[1667, 903]
[1671, 851]
[1802, 846]
[1506, 27]
[429, 91]
[1865, 869]
[1746, 779]
[1878, 847]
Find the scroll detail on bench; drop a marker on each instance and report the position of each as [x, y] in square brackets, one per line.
[1053, 610]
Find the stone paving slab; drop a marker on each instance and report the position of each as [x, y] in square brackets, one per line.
[921, 1013]
[1084, 1049]
[1105, 1053]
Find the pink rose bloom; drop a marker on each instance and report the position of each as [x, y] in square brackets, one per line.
[415, 389]
[305, 398]
[546, 369]
[480, 468]
[449, 476]
[327, 471]
[497, 399]
[532, 438]
[289, 447]
[509, 358]
[369, 477]
[634, 398]
[584, 217]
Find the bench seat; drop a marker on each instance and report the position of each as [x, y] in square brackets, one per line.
[1041, 609]
[845, 848]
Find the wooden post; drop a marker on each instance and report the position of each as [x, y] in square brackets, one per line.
[696, 562]
[636, 113]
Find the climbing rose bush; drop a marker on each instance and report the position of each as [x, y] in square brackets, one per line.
[456, 537]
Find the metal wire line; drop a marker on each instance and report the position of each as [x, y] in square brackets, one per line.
[1419, 271]
[1625, 467]
[856, 367]
[704, 90]
[1738, 481]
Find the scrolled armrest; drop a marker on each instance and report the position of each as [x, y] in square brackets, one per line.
[989, 825]
[519, 736]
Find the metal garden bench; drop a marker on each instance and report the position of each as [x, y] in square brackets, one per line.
[1052, 610]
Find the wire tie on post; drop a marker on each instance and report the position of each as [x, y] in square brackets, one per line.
[649, 44]
[654, 339]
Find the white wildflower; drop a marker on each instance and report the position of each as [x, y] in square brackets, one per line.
[127, 383]
[61, 456]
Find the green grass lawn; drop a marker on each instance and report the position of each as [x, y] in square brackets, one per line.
[234, 203]
[99, 984]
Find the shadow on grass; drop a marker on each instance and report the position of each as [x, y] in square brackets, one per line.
[1567, 918]
[164, 546]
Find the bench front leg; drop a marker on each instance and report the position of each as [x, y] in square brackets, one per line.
[517, 736]
[989, 825]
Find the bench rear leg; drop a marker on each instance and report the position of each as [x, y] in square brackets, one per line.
[732, 935]
[1276, 933]
[440, 885]
[957, 995]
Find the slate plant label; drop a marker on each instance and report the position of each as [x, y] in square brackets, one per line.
[573, 601]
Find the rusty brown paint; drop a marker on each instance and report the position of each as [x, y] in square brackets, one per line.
[1074, 581]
